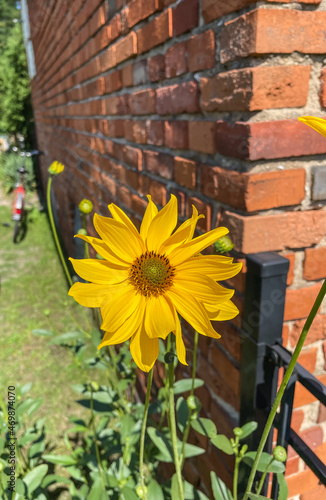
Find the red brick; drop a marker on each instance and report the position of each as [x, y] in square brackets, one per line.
[176, 60]
[202, 136]
[126, 47]
[299, 302]
[292, 466]
[176, 134]
[322, 90]
[201, 51]
[278, 31]
[268, 140]
[157, 190]
[204, 209]
[132, 156]
[302, 482]
[185, 16]
[139, 131]
[142, 102]
[112, 82]
[308, 358]
[321, 415]
[159, 164]
[137, 10]
[155, 32]
[317, 330]
[314, 494]
[156, 68]
[225, 368]
[185, 172]
[177, 99]
[314, 263]
[296, 420]
[127, 75]
[257, 233]
[291, 257]
[223, 185]
[302, 396]
[263, 87]
[313, 436]
[155, 132]
[117, 105]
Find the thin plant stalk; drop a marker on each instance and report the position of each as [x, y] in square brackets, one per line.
[261, 483]
[283, 385]
[98, 456]
[86, 249]
[54, 231]
[142, 435]
[173, 429]
[192, 390]
[235, 478]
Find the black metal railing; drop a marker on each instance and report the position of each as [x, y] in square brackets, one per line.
[263, 355]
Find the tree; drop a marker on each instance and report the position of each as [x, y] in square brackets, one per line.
[16, 113]
[8, 12]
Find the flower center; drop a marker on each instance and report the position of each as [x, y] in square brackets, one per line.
[151, 274]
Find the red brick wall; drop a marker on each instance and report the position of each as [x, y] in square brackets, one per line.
[199, 99]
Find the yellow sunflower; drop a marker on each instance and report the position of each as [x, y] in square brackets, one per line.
[149, 276]
[318, 124]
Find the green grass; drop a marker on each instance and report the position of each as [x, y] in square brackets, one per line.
[34, 296]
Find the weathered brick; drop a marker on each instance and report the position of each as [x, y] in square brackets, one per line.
[185, 172]
[155, 32]
[319, 183]
[159, 164]
[155, 132]
[279, 31]
[299, 302]
[258, 233]
[176, 134]
[317, 330]
[112, 82]
[132, 156]
[290, 277]
[268, 140]
[156, 68]
[204, 209]
[126, 47]
[322, 89]
[307, 359]
[137, 10]
[127, 76]
[202, 136]
[314, 264]
[142, 102]
[157, 190]
[256, 88]
[178, 98]
[140, 72]
[176, 60]
[201, 51]
[185, 16]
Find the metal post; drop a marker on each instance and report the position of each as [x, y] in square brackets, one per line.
[262, 326]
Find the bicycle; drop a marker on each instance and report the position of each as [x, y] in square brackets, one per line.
[18, 211]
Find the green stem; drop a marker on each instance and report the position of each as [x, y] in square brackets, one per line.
[98, 456]
[283, 385]
[177, 462]
[2, 488]
[86, 250]
[142, 435]
[193, 376]
[261, 483]
[235, 478]
[54, 231]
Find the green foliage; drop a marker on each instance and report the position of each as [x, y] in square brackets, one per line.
[220, 490]
[8, 12]
[15, 97]
[9, 163]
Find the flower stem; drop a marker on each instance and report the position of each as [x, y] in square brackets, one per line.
[54, 231]
[86, 250]
[98, 456]
[283, 385]
[263, 477]
[177, 462]
[143, 432]
[193, 376]
[235, 478]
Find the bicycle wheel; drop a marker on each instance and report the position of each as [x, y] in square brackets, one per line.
[16, 230]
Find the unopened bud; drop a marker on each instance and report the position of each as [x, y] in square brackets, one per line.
[85, 206]
[279, 454]
[94, 386]
[193, 403]
[237, 431]
[141, 491]
[223, 245]
[82, 231]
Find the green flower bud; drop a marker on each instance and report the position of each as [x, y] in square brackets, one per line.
[169, 357]
[243, 450]
[193, 403]
[140, 491]
[94, 386]
[223, 245]
[237, 431]
[82, 231]
[85, 206]
[46, 312]
[279, 454]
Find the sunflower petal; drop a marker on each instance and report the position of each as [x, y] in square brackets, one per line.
[99, 271]
[149, 215]
[89, 294]
[162, 225]
[118, 308]
[217, 267]
[159, 317]
[121, 240]
[126, 330]
[102, 249]
[192, 311]
[195, 246]
[183, 234]
[181, 350]
[203, 288]
[223, 312]
[318, 124]
[120, 216]
[144, 350]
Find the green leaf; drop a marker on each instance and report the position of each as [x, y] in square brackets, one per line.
[154, 491]
[96, 492]
[223, 443]
[68, 338]
[253, 496]
[29, 406]
[264, 461]
[190, 492]
[162, 443]
[191, 450]
[34, 478]
[182, 414]
[185, 385]
[220, 490]
[129, 494]
[75, 473]
[248, 429]
[205, 427]
[21, 488]
[42, 333]
[53, 479]
[59, 459]
[36, 449]
[98, 406]
[283, 492]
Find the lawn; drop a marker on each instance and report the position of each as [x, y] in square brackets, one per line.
[34, 296]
